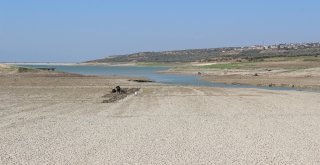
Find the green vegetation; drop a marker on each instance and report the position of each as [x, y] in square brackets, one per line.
[294, 58]
[23, 69]
[312, 58]
[224, 66]
[155, 64]
[290, 63]
[209, 55]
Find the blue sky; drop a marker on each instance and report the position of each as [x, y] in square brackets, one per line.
[79, 30]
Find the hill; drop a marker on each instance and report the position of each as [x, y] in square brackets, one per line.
[218, 54]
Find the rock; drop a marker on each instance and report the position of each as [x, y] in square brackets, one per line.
[141, 80]
[118, 89]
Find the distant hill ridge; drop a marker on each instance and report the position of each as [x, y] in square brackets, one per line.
[217, 54]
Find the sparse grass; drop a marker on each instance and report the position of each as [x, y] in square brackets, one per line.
[315, 59]
[230, 66]
[156, 64]
[290, 63]
[302, 58]
[23, 69]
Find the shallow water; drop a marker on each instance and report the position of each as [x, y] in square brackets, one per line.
[146, 72]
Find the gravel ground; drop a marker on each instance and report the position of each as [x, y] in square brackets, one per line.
[61, 120]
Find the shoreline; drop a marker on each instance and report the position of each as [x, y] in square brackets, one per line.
[308, 80]
[51, 119]
[301, 79]
[62, 120]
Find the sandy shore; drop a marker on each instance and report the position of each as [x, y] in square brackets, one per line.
[61, 120]
[308, 78]
[297, 74]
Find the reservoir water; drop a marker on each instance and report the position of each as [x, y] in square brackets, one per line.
[150, 72]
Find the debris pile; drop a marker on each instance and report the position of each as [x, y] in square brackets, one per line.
[119, 94]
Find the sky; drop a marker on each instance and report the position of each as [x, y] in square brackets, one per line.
[80, 30]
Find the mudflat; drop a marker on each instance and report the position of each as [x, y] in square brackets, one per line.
[62, 120]
[297, 72]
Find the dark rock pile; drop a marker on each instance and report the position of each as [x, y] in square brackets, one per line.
[142, 80]
[118, 94]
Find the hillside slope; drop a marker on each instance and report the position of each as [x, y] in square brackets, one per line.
[208, 55]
